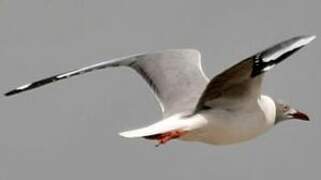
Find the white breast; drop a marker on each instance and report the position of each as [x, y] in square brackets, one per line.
[227, 127]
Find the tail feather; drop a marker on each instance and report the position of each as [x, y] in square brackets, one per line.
[164, 126]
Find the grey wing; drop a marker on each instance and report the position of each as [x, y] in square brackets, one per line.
[242, 82]
[175, 76]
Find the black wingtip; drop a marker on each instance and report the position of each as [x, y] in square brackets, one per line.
[33, 85]
[268, 58]
[10, 93]
[19, 89]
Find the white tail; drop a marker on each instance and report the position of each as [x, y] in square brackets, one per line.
[172, 123]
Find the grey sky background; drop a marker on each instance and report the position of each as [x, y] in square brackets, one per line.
[68, 130]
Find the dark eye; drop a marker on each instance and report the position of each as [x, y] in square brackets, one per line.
[285, 108]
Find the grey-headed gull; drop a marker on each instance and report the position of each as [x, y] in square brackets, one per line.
[227, 109]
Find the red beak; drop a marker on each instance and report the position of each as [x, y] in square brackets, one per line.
[301, 116]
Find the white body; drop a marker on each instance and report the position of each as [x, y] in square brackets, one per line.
[217, 126]
[227, 127]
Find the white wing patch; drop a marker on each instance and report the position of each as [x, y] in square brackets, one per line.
[23, 86]
[300, 43]
[267, 68]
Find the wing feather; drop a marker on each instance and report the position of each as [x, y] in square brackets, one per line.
[175, 77]
[242, 82]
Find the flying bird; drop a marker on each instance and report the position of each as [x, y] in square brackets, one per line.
[226, 109]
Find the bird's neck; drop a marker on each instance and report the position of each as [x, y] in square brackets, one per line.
[268, 107]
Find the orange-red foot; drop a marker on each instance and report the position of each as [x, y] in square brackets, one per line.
[164, 138]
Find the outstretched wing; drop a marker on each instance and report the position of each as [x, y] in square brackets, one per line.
[175, 76]
[242, 82]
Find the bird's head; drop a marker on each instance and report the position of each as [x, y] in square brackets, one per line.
[285, 112]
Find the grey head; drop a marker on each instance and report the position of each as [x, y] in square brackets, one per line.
[286, 112]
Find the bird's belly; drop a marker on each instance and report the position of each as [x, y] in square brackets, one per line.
[233, 128]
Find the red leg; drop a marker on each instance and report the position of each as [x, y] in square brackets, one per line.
[164, 138]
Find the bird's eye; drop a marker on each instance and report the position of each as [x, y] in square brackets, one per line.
[285, 108]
